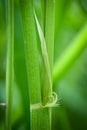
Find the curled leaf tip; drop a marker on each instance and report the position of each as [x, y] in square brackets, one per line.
[52, 100]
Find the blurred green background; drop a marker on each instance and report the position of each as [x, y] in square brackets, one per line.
[70, 17]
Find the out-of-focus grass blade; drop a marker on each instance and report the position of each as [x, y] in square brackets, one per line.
[60, 11]
[20, 70]
[2, 28]
[70, 55]
[10, 62]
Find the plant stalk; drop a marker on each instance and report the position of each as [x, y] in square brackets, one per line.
[32, 62]
[49, 37]
[48, 30]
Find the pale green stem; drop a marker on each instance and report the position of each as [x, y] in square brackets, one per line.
[70, 55]
[49, 37]
[43, 2]
[10, 62]
[48, 30]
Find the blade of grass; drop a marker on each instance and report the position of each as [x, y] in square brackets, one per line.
[44, 51]
[10, 62]
[70, 55]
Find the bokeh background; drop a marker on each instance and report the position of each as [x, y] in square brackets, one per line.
[70, 18]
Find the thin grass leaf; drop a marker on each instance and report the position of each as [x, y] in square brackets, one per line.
[44, 50]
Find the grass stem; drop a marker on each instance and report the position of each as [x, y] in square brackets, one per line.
[32, 62]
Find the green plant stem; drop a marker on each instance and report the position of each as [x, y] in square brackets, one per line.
[43, 2]
[49, 30]
[10, 62]
[50, 98]
[49, 37]
[70, 55]
[31, 50]
[32, 63]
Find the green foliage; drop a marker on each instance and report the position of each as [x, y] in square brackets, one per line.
[43, 50]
